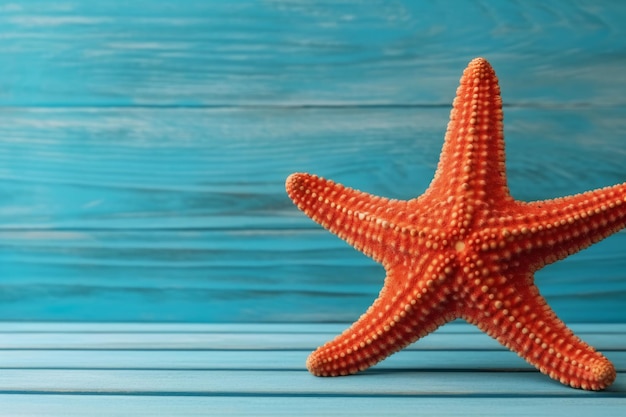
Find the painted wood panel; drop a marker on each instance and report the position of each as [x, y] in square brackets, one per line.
[188, 370]
[124, 405]
[176, 215]
[144, 146]
[286, 52]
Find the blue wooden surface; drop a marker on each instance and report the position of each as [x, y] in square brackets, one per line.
[143, 151]
[235, 369]
[145, 146]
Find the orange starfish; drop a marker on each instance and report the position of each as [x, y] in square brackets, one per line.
[464, 249]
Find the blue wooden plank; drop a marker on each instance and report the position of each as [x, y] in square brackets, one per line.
[259, 329]
[157, 215]
[290, 383]
[194, 168]
[472, 339]
[291, 360]
[253, 382]
[359, 406]
[251, 52]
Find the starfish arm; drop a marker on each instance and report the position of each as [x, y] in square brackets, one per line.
[522, 321]
[554, 229]
[407, 309]
[473, 153]
[359, 218]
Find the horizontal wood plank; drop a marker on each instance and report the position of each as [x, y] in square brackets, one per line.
[180, 215]
[225, 169]
[238, 379]
[250, 377]
[469, 339]
[360, 406]
[278, 52]
[454, 327]
[288, 383]
[417, 360]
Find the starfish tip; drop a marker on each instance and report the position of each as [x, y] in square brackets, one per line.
[478, 68]
[605, 375]
[294, 181]
[299, 186]
[479, 62]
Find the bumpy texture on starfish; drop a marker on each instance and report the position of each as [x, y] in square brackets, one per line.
[464, 249]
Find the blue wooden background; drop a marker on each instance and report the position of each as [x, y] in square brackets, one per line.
[144, 145]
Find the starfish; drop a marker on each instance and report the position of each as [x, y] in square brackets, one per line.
[464, 249]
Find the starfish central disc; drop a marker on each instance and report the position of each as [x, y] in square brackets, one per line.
[464, 249]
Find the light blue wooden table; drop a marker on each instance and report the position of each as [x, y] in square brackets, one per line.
[150, 261]
[100, 369]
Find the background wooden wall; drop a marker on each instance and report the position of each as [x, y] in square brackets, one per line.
[144, 145]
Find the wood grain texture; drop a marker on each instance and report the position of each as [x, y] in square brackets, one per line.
[144, 146]
[188, 370]
[293, 53]
[239, 336]
[176, 215]
[122, 405]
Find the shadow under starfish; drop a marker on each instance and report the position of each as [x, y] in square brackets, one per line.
[464, 249]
